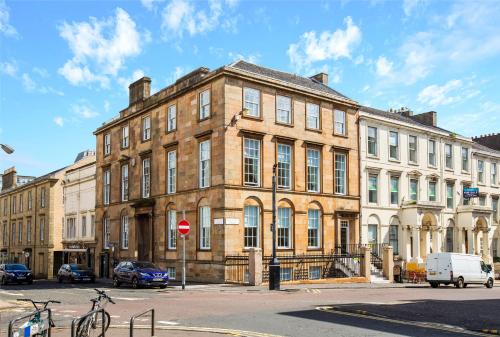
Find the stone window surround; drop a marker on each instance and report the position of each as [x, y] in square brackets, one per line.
[319, 148]
[253, 87]
[291, 108]
[345, 152]
[320, 115]
[199, 92]
[122, 138]
[290, 142]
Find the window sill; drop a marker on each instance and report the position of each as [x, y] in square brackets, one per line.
[481, 184]
[249, 185]
[170, 131]
[342, 135]
[204, 118]
[255, 118]
[465, 171]
[449, 169]
[288, 125]
[372, 156]
[145, 140]
[431, 166]
[412, 163]
[393, 160]
[314, 130]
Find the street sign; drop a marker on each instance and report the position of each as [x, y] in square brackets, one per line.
[183, 227]
[471, 192]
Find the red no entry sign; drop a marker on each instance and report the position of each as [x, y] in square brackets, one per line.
[183, 227]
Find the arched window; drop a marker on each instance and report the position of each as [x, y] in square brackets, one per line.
[252, 215]
[171, 217]
[314, 226]
[373, 224]
[285, 224]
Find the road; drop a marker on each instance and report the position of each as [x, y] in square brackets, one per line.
[313, 310]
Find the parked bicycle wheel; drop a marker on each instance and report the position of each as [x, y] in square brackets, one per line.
[92, 325]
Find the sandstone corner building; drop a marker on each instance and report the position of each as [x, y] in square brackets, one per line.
[205, 147]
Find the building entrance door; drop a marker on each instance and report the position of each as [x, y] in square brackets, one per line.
[372, 235]
[344, 236]
[143, 230]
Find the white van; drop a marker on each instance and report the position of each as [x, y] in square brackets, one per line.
[459, 269]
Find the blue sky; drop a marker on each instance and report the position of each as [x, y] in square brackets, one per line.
[65, 65]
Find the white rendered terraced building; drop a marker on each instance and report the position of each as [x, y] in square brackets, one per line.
[412, 179]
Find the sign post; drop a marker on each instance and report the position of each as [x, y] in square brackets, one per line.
[183, 227]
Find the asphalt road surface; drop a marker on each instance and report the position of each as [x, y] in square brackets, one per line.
[313, 310]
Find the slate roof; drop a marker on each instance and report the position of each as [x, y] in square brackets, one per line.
[401, 118]
[485, 148]
[287, 77]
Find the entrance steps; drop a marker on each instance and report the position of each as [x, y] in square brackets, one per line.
[377, 276]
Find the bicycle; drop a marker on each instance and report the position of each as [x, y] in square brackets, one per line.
[91, 326]
[36, 326]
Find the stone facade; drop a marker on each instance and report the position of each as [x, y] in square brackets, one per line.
[215, 206]
[78, 237]
[413, 200]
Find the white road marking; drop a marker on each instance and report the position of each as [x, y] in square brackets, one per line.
[114, 316]
[167, 322]
[130, 298]
[11, 294]
[68, 311]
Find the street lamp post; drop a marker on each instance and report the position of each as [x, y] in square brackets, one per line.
[274, 265]
[7, 148]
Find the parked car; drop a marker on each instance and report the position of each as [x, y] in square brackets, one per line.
[138, 274]
[75, 273]
[457, 269]
[15, 272]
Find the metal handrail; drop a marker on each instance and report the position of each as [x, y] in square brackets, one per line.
[132, 319]
[11, 323]
[81, 318]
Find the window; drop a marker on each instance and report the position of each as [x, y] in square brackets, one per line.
[251, 158]
[284, 109]
[172, 118]
[4, 234]
[493, 173]
[205, 227]
[414, 189]
[14, 204]
[432, 191]
[372, 141]
[13, 233]
[313, 175]
[449, 239]
[42, 228]
[448, 152]
[313, 228]
[42, 197]
[465, 159]
[286, 274]
[124, 232]
[28, 230]
[124, 182]
[5, 206]
[284, 227]
[106, 232]
[372, 188]
[251, 99]
[284, 166]
[393, 145]
[70, 228]
[204, 104]
[465, 201]
[204, 180]
[482, 200]
[146, 128]
[146, 177]
[315, 272]
[20, 236]
[125, 137]
[340, 173]
[107, 187]
[340, 128]
[494, 206]
[312, 116]
[394, 190]
[84, 226]
[432, 152]
[494, 247]
[171, 273]
[21, 203]
[107, 144]
[30, 201]
[449, 195]
[172, 229]
[412, 149]
[480, 171]
[171, 171]
[92, 225]
[393, 238]
[252, 224]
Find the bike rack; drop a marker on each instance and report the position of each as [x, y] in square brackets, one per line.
[132, 319]
[11, 323]
[81, 318]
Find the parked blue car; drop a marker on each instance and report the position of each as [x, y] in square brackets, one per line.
[138, 274]
[15, 273]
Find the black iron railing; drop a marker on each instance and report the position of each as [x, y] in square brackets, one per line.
[377, 254]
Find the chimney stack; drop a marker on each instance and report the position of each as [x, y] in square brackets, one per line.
[139, 90]
[491, 140]
[321, 77]
[427, 118]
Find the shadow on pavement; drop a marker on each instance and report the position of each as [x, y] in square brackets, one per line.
[476, 315]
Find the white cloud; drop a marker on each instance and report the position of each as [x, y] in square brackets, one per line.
[181, 16]
[126, 81]
[9, 68]
[42, 72]
[83, 110]
[313, 47]
[336, 75]
[30, 85]
[440, 95]
[148, 4]
[5, 27]
[384, 66]
[106, 105]
[409, 6]
[252, 57]
[59, 121]
[100, 48]
[28, 82]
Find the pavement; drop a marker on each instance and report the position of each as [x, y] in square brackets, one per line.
[296, 310]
